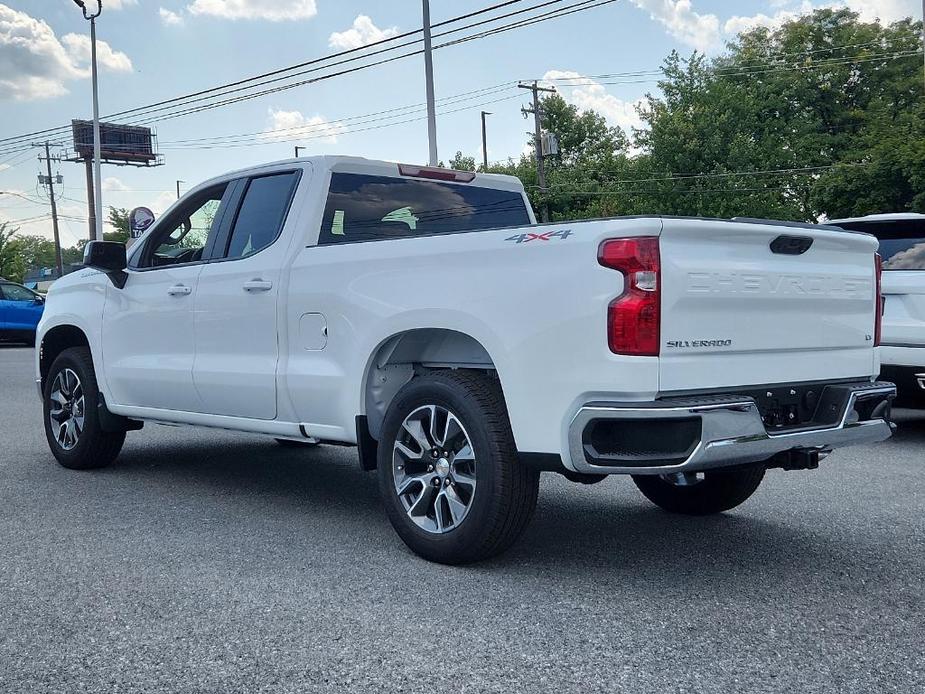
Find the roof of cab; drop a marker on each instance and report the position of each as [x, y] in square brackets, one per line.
[347, 164]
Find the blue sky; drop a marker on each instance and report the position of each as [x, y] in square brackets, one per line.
[163, 48]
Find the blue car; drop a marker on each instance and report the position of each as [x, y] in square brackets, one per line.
[20, 311]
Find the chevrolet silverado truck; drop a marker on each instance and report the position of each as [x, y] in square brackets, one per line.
[901, 237]
[422, 315]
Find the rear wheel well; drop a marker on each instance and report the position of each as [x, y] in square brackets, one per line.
[57, 340]
[400, 357]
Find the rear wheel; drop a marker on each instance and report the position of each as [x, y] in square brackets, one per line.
[701, 493]
[72, 423]
[449, 475]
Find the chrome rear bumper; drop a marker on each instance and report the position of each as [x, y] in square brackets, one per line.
[731, 431]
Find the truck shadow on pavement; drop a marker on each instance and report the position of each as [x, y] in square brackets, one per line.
[599, 534]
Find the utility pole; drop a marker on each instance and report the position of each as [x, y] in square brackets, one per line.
[178, 188]
[484, 142]
[538, 142]
[54, 210]
[429, 79]
[91, 198]
[97, 176]
[297, 148]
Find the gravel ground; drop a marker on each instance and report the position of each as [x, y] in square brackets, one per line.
[216, 562]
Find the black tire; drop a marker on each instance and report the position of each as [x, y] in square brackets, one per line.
[94, 447]
[505, 491]
[291, 443]
[718, 491]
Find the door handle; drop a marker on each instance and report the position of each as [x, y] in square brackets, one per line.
[258, 286]
[179, 290]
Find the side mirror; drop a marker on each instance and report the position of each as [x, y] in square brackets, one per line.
[40, 299]
[107, 257]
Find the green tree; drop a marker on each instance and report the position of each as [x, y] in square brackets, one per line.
[820, 94]
[11, 263]
[35, 251]
[821, 117]
[462, 163]
[118, 218]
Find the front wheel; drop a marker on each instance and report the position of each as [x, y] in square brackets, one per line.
[72, 422]
[449, 475]
[701, 493]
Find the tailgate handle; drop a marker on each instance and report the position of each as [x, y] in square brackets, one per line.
[791, 245]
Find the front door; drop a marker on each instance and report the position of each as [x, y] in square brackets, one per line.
[237, 348]
[148, 326]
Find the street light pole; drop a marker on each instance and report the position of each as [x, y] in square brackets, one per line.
[484, 142]
[297, 148]
[178, 188]
[97, 175]
[429, 78]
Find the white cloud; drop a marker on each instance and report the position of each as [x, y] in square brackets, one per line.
[884, 10]
[111, 183]
[163, 201]
[35, 64]
[589, 95]
[78, 47]
[289, 125]
[115, 4]
[169, 18]
[271, 10]
[4, 167]
[869, 11]
[362, 33]
[702, 31]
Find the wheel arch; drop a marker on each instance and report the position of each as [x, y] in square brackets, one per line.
[399, 357]
[54, 342]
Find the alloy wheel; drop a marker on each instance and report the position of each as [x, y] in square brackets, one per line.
[433, 467]
[67, 409]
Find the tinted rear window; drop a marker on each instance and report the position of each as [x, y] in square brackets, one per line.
[367, 208]
[902, 242]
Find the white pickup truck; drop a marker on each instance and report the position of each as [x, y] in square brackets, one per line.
[423, 315]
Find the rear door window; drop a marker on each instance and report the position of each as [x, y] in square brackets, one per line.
[262, 213]
[368, 208]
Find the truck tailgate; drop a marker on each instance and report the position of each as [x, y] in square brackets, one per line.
[736, 313]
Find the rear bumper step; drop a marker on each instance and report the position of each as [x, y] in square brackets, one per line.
[714, 431]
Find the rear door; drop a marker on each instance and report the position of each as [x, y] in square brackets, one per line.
[236, 309]
[748, 303]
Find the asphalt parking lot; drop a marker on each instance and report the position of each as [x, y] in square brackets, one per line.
[214, 562]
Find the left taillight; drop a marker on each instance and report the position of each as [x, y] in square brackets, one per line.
[878, 319]
[634, 317]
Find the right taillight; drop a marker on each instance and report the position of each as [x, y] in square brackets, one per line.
[633, 318]
[878, 320]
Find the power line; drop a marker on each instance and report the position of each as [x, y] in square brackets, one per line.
[586, 5]
[325, 59]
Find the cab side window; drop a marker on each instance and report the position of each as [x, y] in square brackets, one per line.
[261, 215]
[183, 236]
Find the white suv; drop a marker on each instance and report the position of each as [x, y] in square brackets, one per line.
[902, 247]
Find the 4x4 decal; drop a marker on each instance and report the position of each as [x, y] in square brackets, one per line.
[546, 236]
